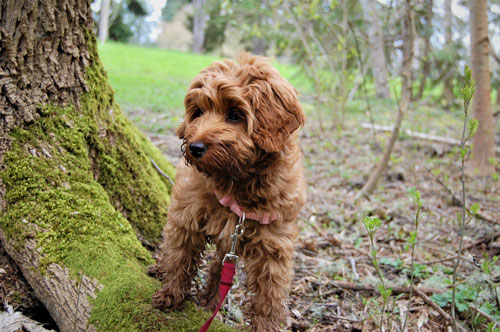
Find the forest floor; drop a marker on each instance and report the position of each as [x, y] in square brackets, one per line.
[335, 287]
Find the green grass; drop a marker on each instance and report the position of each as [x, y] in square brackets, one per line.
[152, 80]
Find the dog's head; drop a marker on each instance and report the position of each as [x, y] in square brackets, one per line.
[237, 114]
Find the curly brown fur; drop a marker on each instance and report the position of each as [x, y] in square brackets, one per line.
[253, 156]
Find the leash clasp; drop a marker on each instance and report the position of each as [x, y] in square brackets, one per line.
[238, 231]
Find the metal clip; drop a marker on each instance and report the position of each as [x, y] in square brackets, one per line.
[238, 231]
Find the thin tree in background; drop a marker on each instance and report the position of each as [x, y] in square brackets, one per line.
[342, 86]
[376, 46]
[497, 59]
[407, 78]
[483, 143]
[425, 56]
[103, 21]
[448, 37]
[200, 20]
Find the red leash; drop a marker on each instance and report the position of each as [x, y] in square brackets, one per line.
[228, 271]
[226, 281]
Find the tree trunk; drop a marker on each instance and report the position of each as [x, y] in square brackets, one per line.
[425, 63]
[376, 48]
[448, 23]
[407, 77]
[76, 183]
[259, 46]
[200, 20]
[483, 141]
[497, 102]
[343, 74]
[104, 21]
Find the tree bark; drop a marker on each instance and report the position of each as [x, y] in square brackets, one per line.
[406, 89]
[448, 23]
[483, 141]
[497, 102]
[376, 48]
[425, 63]
[77, 186]
[343, 73]
[259, 46]
[200, 20]
[103, 21]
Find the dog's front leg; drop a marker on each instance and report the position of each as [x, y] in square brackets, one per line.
[268, 265]
[181, 255]
[209, 298]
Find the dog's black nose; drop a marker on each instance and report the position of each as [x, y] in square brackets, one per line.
[197, 149]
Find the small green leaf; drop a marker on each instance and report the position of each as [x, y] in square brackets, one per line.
[463, 152]
[372, 223]
[413, 238]
[472, 127]
[474, 208]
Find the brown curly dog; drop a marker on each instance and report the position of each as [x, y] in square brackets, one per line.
[241, 154]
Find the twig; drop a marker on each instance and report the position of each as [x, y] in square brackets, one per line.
[439, 260]
[395, 290]
[414, 134]
[344, 318]
[432, 304]
[483, 240]
[415, 197]
[467, 93]
[353, 265]
[162, 173]
[326, 304]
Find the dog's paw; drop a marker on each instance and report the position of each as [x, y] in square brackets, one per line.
[162, 299]
[265, 324]
[209, 303]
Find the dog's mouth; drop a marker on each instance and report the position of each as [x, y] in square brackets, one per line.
[219, 159]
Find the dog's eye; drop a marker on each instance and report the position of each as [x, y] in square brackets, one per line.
[234, 116]
[197, 114]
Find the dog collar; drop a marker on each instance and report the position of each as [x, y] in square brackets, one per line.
[229, 201]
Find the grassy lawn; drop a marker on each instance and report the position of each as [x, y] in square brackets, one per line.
[150, 83]
[150, 78]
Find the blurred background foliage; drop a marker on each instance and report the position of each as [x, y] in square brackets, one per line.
[327, 42]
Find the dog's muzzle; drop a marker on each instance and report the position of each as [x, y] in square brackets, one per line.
[197, 149]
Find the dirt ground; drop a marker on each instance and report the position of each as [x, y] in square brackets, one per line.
[335, 284]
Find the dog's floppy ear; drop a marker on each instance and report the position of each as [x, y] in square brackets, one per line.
[181, 130]
[278, 113]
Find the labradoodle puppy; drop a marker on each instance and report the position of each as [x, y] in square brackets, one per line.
[241, 154]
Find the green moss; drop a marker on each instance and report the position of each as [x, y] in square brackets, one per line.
[123, 160]
[81, 183]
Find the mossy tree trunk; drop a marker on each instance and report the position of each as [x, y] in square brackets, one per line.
[77, 188]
